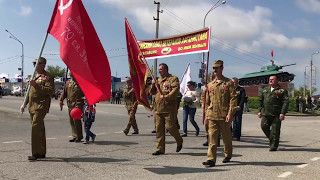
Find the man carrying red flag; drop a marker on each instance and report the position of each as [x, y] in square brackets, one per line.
[81, 49]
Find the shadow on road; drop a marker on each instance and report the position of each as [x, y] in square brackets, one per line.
[84, 159]
[219, 154]
[300, 149]
[120, 143]
[268, 163]
[180, 170]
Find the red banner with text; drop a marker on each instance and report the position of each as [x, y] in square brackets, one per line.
[195, 42]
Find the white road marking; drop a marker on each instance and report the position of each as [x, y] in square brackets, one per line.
[9, 142]
[104, 112]
[302, 165]
[315, 159]
[70, 136]
[118, 132]
[286, 174]
[100, 134]
[50, 138]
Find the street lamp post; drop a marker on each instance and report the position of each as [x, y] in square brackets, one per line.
[304, 80]
[311, 72]
[22, 57]
[217, 4]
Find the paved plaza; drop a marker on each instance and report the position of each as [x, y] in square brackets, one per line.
[116, 156]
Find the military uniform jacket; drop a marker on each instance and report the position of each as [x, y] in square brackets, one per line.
[40, 95]
[222, 99]
[131, 100]
[273, 103]
[73, 94]
[241, 96]
[169, 87]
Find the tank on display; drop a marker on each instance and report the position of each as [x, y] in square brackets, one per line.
[262, 77]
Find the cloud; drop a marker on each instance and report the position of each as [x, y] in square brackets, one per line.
[310, 6]
[281, 41]
[25, 11]
[249, 30]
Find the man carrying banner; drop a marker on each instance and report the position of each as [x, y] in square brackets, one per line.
[165, 108]
[39, 104]
[74, 96]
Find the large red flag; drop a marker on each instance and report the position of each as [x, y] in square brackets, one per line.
[138, 70]
[81, 49]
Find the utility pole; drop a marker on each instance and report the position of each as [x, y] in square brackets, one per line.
[311, 77]
[311, 72]
[155, 66]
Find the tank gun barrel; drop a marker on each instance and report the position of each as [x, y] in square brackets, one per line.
[280, 67]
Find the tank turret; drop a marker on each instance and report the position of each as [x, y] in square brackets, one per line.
[262, 77]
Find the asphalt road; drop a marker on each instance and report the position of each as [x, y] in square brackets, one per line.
[116, 156]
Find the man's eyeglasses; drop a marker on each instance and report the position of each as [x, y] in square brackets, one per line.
[35, 63]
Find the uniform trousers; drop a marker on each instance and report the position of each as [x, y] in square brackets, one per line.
[132, 120]
[271, 126]
[76, 127]
[237, 124]
[215, 128]
[166, 121]
[38, 133]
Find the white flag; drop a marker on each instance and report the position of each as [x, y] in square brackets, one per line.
[185, 79]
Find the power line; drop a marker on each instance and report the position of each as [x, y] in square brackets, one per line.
[9, 60]
[244, 52]
[216, 49]
[236, 57]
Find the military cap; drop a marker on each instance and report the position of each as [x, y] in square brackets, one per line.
[217, 63]
[41, 61]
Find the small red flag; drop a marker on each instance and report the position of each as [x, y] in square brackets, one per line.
[271, 52]
[138, 70]
[81, 49]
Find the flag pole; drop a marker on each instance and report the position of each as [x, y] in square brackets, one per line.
[185, 72]
[65, 82]
[205, 93]
[34, 72]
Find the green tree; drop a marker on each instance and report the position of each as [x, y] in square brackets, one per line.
[299, 92]
[56, 71]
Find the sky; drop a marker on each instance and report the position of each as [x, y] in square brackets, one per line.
[243, 33]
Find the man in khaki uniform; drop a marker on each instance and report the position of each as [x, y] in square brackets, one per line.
[74, 96]
[221, 104]
[165, 108]
[40, 94]
[206, 123]
[131, 105]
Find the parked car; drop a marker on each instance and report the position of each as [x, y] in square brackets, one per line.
[16, 91]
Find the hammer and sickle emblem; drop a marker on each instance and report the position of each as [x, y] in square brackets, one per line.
[63, 7]
[140, 58]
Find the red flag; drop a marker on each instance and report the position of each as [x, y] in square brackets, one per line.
[81, 49]
[138, 70]
[271, 52]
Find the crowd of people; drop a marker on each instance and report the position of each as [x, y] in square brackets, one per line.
[305, 104]
[223, 101]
